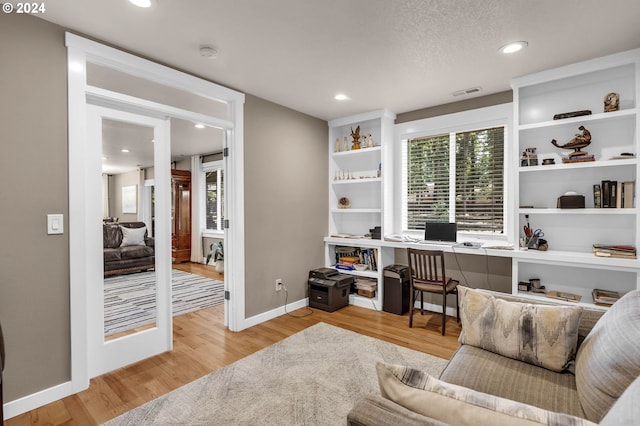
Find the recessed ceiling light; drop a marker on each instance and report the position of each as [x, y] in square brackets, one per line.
[124, 150]
[199, 126]
[141, 3]
[340, 97]
[208, 52]
[513, 47]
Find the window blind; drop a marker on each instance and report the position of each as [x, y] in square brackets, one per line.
[455, 175]
[427, 193]
[480, 180]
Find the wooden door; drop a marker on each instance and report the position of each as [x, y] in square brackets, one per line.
[181, 215]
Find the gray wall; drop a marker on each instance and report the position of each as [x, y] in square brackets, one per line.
[34, 266]
[286, 201]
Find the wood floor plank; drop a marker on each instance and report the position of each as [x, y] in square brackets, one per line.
[203, 345]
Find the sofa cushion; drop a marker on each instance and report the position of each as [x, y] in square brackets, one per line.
[457, 405]
[609, 359]
[497, 375]
[626, 410]
[134, 252]
[133, 236]
[111, 254]
[111, 235]
[542, 335]
[376, 410]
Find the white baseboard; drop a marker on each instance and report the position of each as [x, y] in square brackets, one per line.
[38, 399]
[274, 313]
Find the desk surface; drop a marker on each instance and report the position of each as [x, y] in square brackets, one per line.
[582, 259]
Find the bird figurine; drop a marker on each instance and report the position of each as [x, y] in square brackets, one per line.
[580, 141]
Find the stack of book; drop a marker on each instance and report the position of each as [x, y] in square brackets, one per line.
[578, 158]
[603, 250]
[614, 194]
[605, 297]
[347, 263]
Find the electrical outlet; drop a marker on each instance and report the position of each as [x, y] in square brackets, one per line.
[278, 284]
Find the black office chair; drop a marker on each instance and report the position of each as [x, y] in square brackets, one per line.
[428, 275]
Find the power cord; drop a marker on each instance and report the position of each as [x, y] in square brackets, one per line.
[486, 259]
[455, 256]
[286, 297]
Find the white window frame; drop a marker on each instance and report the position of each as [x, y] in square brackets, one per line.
[207, 167]
[493, 116]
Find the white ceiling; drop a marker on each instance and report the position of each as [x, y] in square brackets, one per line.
[399, 54]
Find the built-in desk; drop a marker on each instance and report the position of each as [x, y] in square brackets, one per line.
[502, 269]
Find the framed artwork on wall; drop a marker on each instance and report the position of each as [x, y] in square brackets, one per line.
[129, 199]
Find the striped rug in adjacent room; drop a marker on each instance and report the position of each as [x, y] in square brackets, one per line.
[129, 299]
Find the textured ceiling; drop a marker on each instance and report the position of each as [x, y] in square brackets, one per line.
[399, 54]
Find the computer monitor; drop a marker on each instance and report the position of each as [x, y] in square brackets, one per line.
[441, 231]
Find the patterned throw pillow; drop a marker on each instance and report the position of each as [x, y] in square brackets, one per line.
[542, 335]
[457, 405]
[609, 358]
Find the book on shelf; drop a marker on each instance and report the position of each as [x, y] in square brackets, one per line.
[605, 297]
[597, 196]
[614, 194]
[620, 251]
[578, 159]
[563, 295]
[628, 194]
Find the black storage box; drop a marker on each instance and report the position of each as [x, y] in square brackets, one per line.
[396, 289]
[329, 290]
[571, 202]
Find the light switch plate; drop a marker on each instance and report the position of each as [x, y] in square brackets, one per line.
[55, 224]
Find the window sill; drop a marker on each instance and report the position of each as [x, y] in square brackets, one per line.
[213, 234]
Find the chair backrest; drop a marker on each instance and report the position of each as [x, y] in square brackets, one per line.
[426, 265]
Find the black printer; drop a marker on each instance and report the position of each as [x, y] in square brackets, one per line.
[328, 289]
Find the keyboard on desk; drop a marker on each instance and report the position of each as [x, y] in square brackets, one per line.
[437, 243]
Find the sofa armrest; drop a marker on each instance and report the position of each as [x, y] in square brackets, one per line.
[376, 410]
[150, 242]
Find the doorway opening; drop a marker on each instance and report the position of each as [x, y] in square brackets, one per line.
[102, 77]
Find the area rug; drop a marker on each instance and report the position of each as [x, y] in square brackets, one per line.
[313, 377]
[129, 299]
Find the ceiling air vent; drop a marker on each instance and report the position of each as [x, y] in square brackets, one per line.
[467, 91]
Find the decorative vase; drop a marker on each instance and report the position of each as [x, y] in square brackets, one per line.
[220, 266]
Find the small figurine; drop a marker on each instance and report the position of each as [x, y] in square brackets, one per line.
[356, 138]
[612, 102]
[345, 145]
[370, 141]
[337, 146]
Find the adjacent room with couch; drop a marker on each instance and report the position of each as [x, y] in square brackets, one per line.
[284, 212]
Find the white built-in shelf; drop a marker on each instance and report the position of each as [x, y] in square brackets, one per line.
[584, 259]
[356, 181]
[361, 151]
[582, 165]
[541, 297]
[603, 116]
[353, 211]
[367, 274]
[586, 211]
[354, 242]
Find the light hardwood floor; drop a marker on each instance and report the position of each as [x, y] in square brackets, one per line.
[201, 345]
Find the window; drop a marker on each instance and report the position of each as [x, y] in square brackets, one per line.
[214, 202]
[455, 175]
